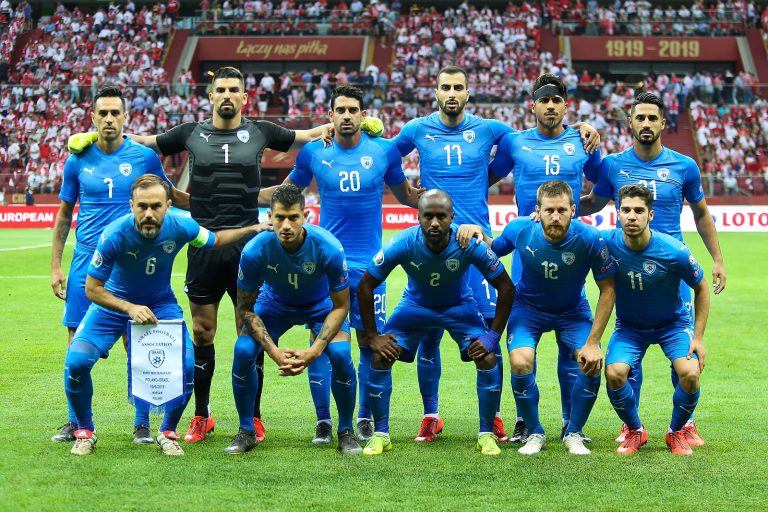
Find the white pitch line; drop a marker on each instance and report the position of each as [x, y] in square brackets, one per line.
[48, 277]
[25, 247]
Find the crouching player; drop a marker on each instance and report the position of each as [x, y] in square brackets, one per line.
[437, 296]
[305, 281]
[129, 278]
[650, 310]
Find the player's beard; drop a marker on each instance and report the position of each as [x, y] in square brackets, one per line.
[226, 114]
[148, 229]
[551, 122]
[646, 142]
[556, 232]
[452, 111]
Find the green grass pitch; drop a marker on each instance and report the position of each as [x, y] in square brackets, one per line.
[287, 473]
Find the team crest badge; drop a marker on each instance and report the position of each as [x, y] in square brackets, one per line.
[663, 173]
[156, 357]
[366, 162]
[97, 260]
[692, 260]
[604, 254]
[169, 246]
[568, 258]
[453, 264]
[244, 136]
[469, 136]
[569, 148]
[379, 258]
[308, 267]
[126, 169]
[649, 267]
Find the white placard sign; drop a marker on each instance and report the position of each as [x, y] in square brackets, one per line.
[156, 362]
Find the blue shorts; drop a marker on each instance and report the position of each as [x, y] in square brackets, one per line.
[527, 324]
[410, 322]
[628, 345]
[76, 304]
[103, 327]
[485, 294]
[278, 318]
[379, 301]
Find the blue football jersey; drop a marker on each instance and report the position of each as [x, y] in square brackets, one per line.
[138, 269]
[303, 278]
[648, 281]
[455, 159]
[435, 280]
[671, 176]
[535, 159]
[103, 183]
[351, 184]
[553, 275]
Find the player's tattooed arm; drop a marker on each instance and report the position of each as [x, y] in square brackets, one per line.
[708, 232]
[252, 323]
[60, 234]
[96, 293]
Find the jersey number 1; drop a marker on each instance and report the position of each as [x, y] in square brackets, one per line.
[225, 147]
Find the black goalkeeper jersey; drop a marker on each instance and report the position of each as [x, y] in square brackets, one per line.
[225, 168]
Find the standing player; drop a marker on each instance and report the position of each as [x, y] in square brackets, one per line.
[454, 151]
[100, 178]
[225, 179]
[437, 297]
[650, 267]
[672, 178]
[555, 256]
[304, 277]
[535, 156]
[351, 175]
[129, 278]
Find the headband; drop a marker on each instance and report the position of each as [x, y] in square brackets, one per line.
[544, 91]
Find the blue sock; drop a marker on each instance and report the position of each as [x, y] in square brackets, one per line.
[675, 382]
[77, 381]
[344, 382]
[319, 373]
[582, 400]
[518, 414]
[635, 379]
[363, 367]
[428, 370]
[379, 392]
[245, 380]
[683, 404]
[527, 400]
[623, 402]
[488, 389]
[141, 416]
[171, 417]
[567, 373]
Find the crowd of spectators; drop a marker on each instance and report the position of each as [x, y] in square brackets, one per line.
[257, 17]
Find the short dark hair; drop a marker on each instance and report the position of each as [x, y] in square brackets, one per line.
[148, 181]
[287, 195]
[228, 72]
[347, 91]
[453, 70]
[549, 78]
[109, 91]
[636, 190]
[648, 98]
[554, 188]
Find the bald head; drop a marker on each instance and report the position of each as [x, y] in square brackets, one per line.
[435, 197]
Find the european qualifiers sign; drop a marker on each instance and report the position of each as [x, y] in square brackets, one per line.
[156, 363]
[280, 48]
